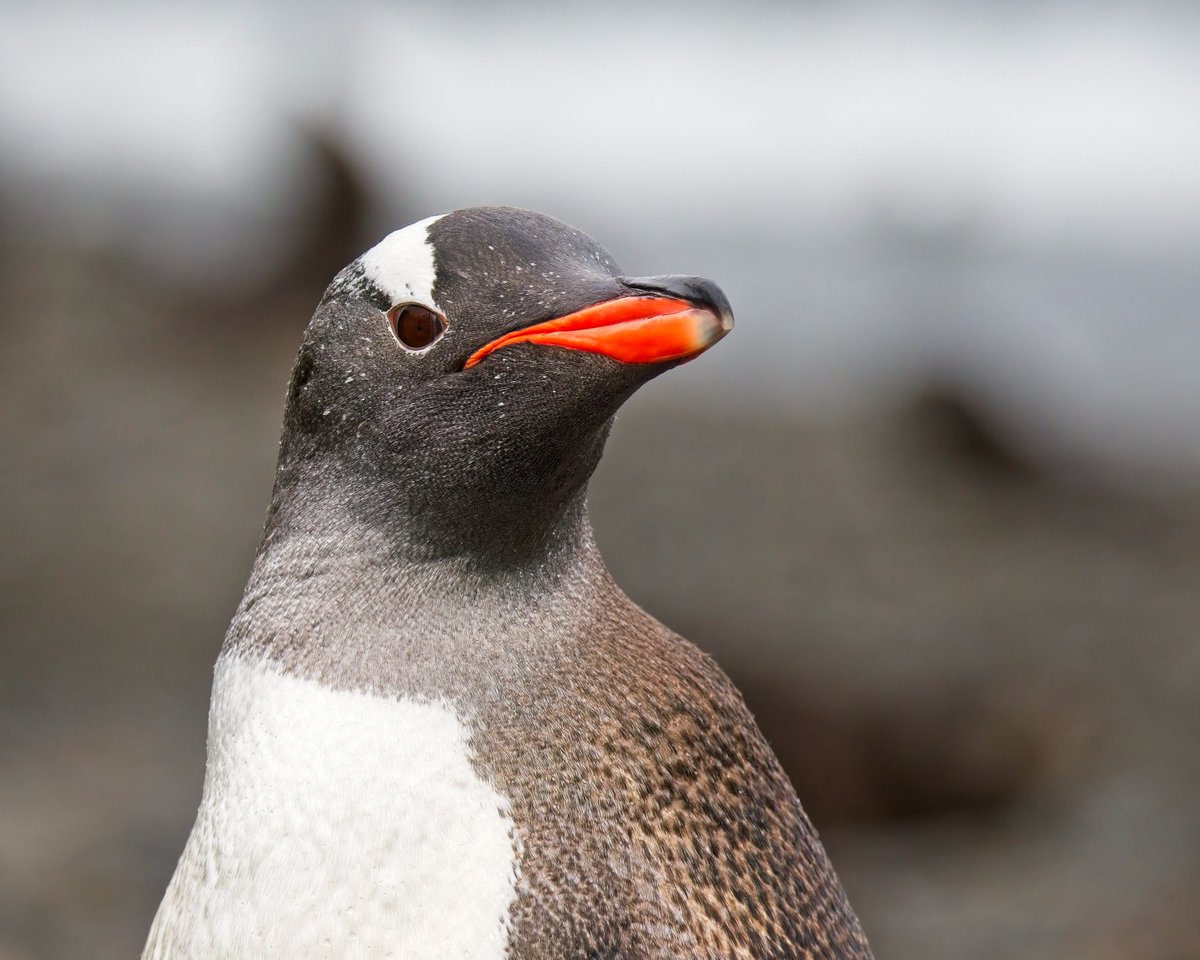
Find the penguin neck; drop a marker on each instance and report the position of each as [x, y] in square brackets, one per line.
[329, 577]
[319, 522]
[488, 498]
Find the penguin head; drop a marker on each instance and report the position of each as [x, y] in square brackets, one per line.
[466, 369]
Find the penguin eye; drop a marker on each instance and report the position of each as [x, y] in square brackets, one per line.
[415, 326]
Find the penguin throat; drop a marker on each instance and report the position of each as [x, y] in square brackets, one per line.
[488, 516]
[322, 564]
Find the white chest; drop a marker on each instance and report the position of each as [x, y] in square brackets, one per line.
[337, 824]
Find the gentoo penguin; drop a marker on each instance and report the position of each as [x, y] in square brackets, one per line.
[438, 728]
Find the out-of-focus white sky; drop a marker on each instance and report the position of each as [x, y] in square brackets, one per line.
[1008, 192]
[1052, 120]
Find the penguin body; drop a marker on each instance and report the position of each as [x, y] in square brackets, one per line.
[438, 727]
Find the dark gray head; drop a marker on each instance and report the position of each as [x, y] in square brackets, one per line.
[456, 444]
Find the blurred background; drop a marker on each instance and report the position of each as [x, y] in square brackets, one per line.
[935, 504]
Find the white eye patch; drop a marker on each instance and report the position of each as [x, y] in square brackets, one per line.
[401, 265]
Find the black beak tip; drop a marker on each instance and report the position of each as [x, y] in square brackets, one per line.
[696, 290]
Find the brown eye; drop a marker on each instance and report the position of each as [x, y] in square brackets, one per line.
[415, 326]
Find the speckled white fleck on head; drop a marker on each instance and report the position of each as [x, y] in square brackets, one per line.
[401, 264]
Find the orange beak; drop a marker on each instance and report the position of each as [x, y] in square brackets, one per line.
[629, 329]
